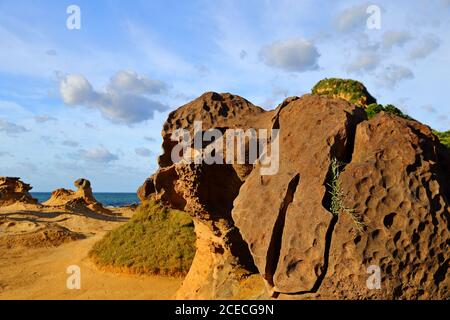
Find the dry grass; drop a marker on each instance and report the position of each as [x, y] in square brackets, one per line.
[337, 204]
[157, 240]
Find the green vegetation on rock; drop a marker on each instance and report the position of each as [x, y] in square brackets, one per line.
[157, 240]
[337, 196]
[444, 137]
[347, 89]
[375, 108]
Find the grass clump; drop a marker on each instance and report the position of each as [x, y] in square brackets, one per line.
[347, 89]
[157, 240]
[337, 206]
[373, 109]
[444, 137]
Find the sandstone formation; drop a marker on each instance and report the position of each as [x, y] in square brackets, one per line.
[146, 190]
[13, 190]
[394, 182]
[80, 200]
[29, 234]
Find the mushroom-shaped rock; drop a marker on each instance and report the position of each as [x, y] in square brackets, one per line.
[81, 200]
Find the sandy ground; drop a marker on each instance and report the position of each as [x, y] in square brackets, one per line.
[41, 273]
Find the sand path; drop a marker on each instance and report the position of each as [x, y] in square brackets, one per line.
[41, 273]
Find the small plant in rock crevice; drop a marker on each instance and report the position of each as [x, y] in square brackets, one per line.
[337, 204]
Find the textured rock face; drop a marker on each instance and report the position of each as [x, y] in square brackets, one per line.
[207, 193]
[80, 200]
[395, 181]
[12, 191]
[146, 190]
[398, 186]
[286, 225]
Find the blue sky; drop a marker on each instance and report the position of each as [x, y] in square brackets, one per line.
[91, 102]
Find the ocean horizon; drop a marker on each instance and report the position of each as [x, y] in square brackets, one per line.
[108, 199]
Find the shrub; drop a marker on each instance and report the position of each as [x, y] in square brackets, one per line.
[374, 108]
[350, 90]
[444, 137]
[157, 240]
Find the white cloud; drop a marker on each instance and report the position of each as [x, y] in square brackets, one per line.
[393, 74]
[365, 61]
[143, 152]
[151, 139]
[426, 47]
[76, 90]
[351, 18]
[121, 102]
[294, 55]
[131, 82]
[44, 118]
[11, 128]
[429, 108]
[8, 108]
[395, 38]
[51, 52]
[99, 155]
[70, 143]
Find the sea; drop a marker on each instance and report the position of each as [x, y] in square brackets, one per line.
[105, 198]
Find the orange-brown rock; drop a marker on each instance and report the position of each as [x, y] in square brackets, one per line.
[286, 224]
[395, 183]
[80, 200]
[207, 193]
[13, 190]
[146, 190]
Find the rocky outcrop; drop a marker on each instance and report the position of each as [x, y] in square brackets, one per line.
[289, 216]
[29, 234]
[80, 200]
[398, 185]
[393, 195]
[207, 193]
[146, 190]
[13, 190]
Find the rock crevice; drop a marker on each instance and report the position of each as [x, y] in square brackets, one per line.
[395, 179]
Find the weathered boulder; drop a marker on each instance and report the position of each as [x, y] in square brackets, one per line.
[392, 197]
[146, 190]
[397, 183]
[284, 217]
[207, 193]
[81, 200]
[13, 190]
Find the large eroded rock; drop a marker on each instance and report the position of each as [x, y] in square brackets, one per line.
[13, 190]
[284, 217]
[207, 193]
[395, 183]
[399, 186]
